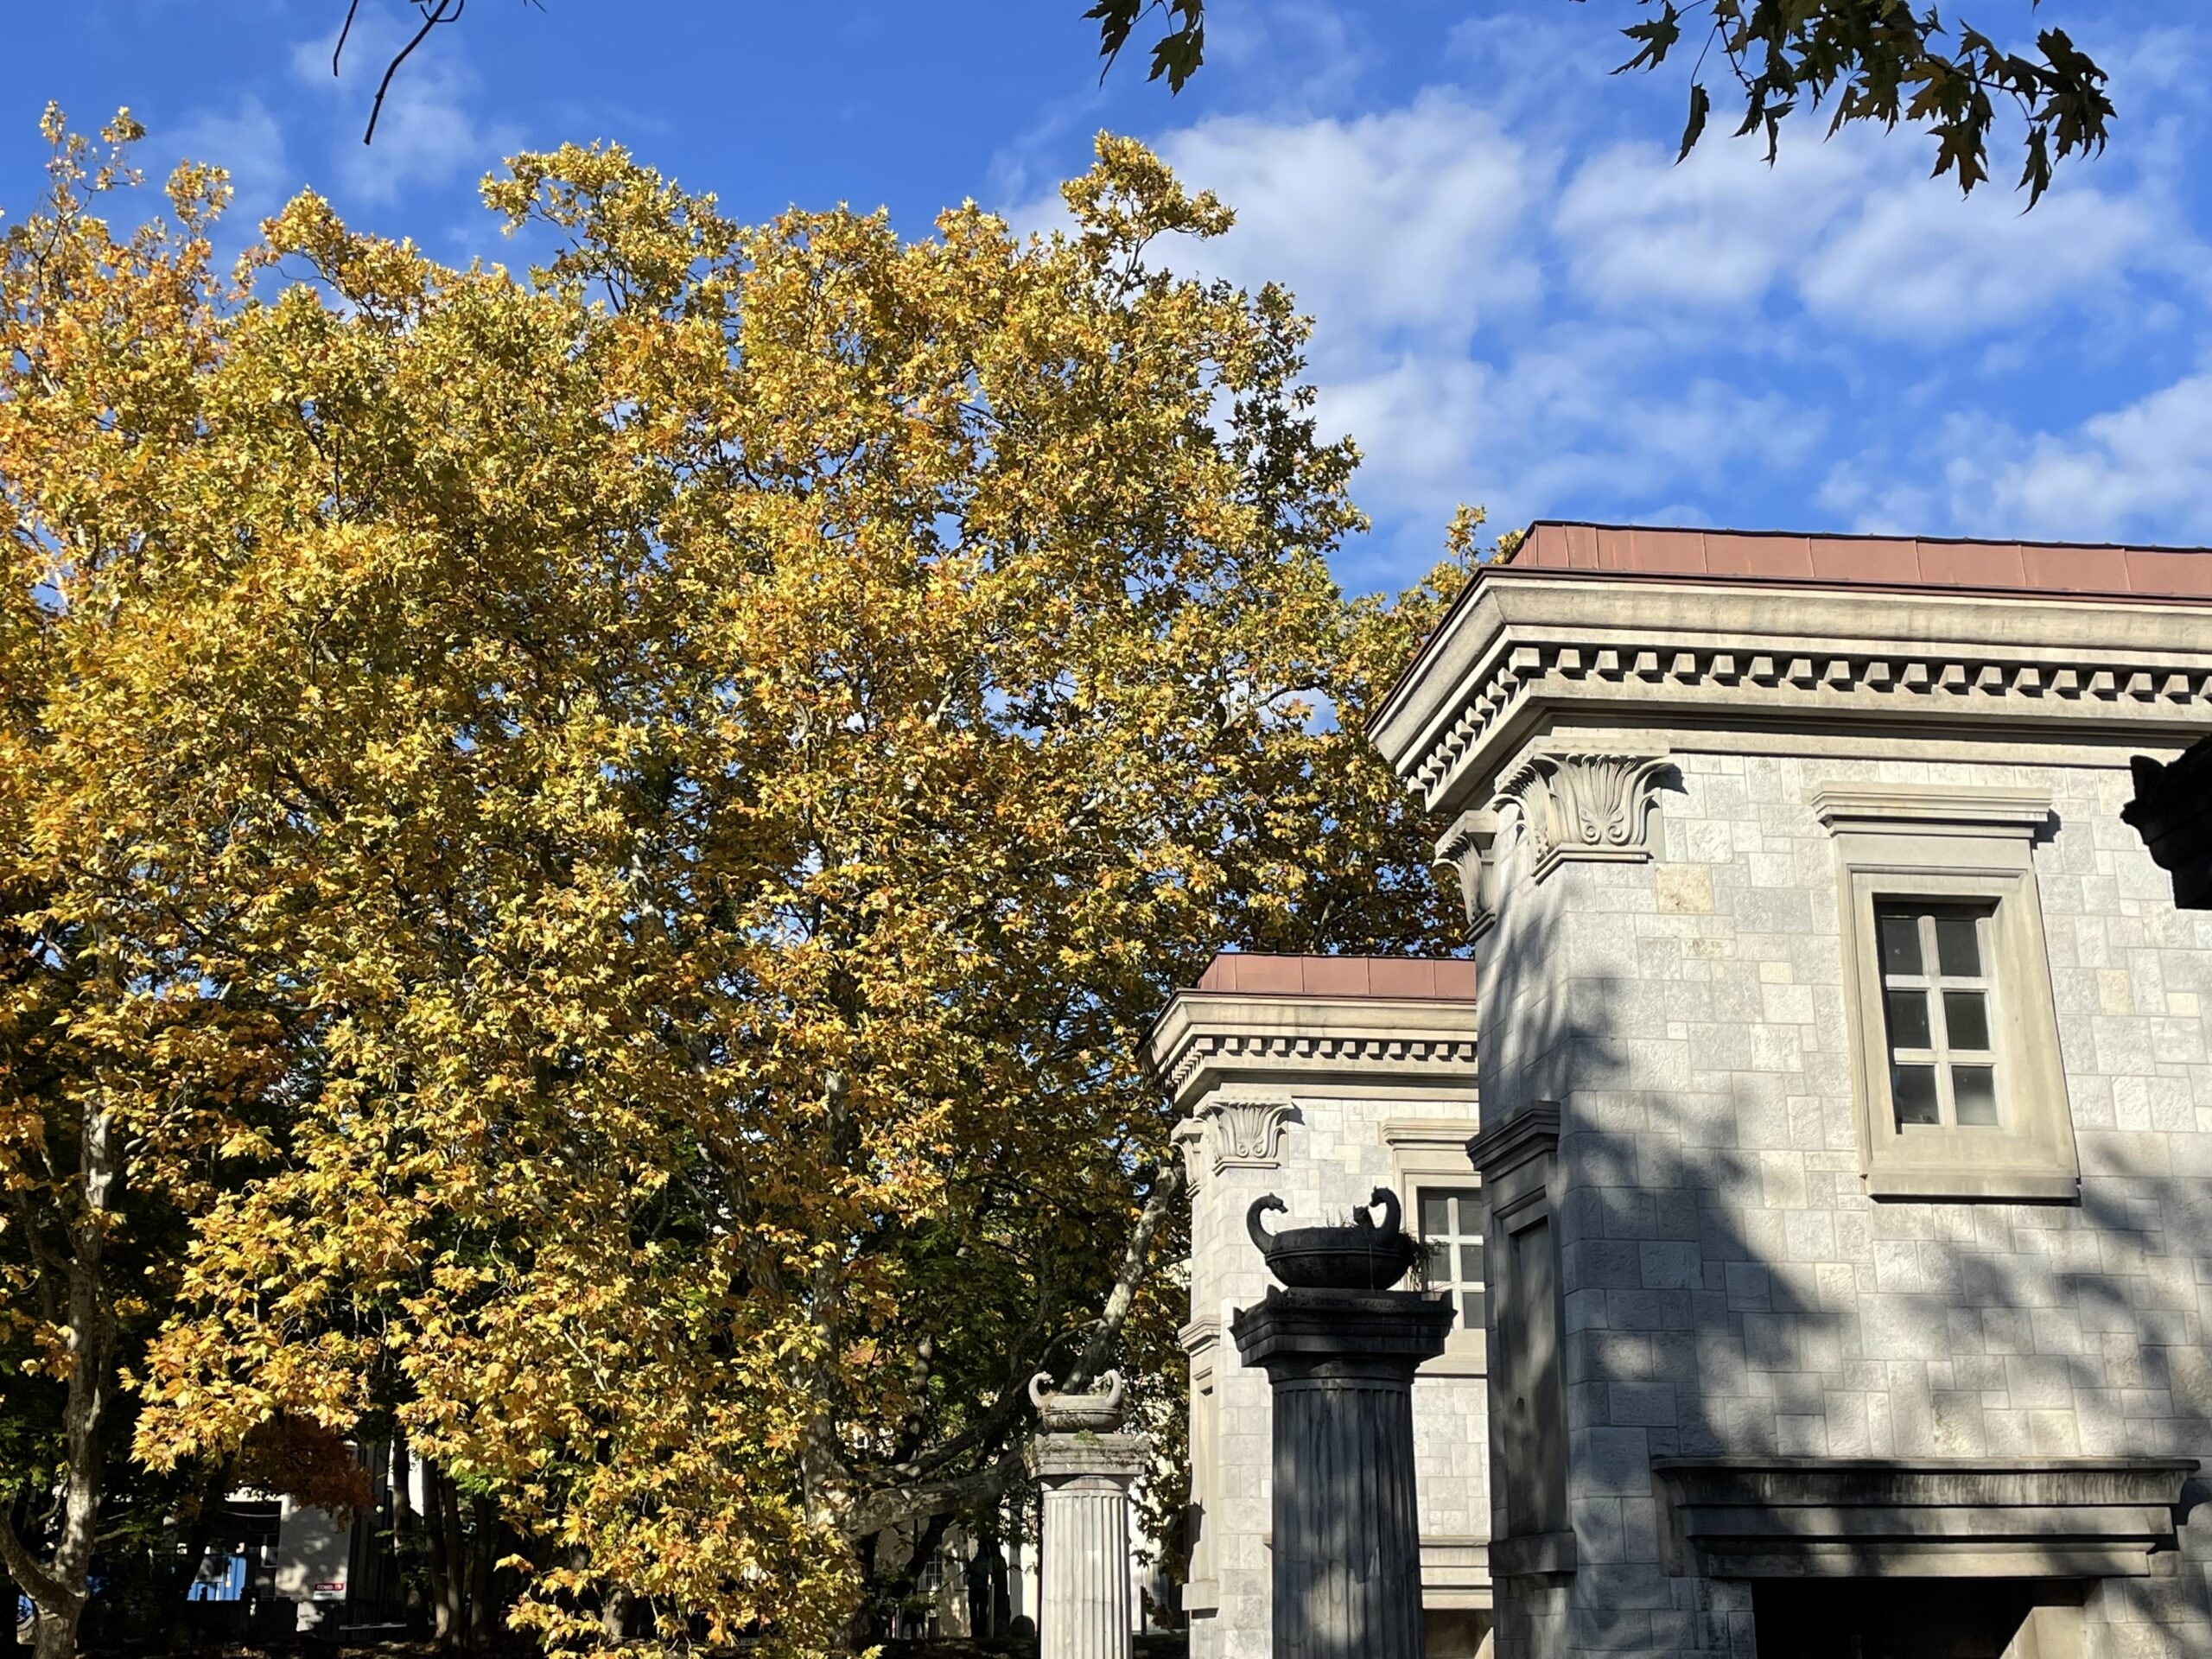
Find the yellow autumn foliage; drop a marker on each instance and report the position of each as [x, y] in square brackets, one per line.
[612, 832]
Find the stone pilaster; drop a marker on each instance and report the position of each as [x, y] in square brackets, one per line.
[1346, 1539]
[1086, 1595]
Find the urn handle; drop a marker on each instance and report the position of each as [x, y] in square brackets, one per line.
[1260, 1207]
[1384, 1199]
[1037, 1389]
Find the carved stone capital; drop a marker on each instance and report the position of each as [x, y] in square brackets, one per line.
[1581, 804]
[1466, 850]
[1246, 1128]
[1190, 1139]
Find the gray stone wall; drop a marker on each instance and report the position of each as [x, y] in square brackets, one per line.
[1728, 1287]
[1327, 1162]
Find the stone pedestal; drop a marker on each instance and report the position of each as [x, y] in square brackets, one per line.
[1084, 1555]
[1347, 1539]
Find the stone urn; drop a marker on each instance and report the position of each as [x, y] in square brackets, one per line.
[1096, 1412]
[1357, 1255]
[2172, 811]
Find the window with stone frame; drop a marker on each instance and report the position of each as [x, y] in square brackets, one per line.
[1429, 1155]
[1957, 1076]
[1450, 1220]
[1937, 987]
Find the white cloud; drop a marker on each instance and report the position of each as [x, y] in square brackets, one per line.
[1718, 231]
[1514, 306]
[1917, 260]
[1848, 230]
[1310, 53]
[425, 134]
[2144, 467]
[1391, 227]
[2140, 472]
[249, 144]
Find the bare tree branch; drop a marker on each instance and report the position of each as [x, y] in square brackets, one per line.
[434, 12]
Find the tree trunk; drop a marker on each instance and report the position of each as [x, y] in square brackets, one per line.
[407, 1552]
[483, 1604]
[12, 1517]
[448, 1566]
[60, 1588]
[453, 1625]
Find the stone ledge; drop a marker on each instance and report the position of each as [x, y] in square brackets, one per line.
[1067, 1457]
[1205, 1040]
[1920, 809]
[1796, 1517]
[1454, 1571]
[1536, 1554]
[1529, 1132]
[1351, 1325]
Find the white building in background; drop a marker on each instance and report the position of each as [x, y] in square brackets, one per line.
[1845, 1163]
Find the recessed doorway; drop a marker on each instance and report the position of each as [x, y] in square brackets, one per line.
[1918, 1618]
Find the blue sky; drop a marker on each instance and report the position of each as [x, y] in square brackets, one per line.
[1519, 301]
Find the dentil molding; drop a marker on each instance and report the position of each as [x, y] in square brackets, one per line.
[1208, 1042]
[1530, 647]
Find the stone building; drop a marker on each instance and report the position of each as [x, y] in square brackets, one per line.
[1318, 1079]
[1846, 1107]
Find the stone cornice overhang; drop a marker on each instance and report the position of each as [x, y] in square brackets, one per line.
[1980, 1517]
[1205, 1039]
[1524, 648]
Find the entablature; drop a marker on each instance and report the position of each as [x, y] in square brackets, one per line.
[1533, 649]
[1210, 1040]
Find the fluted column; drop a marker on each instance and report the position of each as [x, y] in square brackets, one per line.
[1084, 1555]
[1347, 1538]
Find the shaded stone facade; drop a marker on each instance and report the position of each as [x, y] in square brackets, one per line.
[1871, 1264]
[1846, 1100]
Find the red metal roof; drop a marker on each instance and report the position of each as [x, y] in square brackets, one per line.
[1872, 561]
[1433, 978]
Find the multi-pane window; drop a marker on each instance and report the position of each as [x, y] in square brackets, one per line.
[1451, 1226]
[1936, 1004]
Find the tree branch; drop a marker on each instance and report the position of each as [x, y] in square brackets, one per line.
[915, 1500]
[434, 12]
[34, 1580]
[896, 1504]
[1136, 1268]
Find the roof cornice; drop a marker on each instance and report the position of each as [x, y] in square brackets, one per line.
[1205, 1039]
[1528, 646]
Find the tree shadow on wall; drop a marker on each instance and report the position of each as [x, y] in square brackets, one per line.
[1730, 1291]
